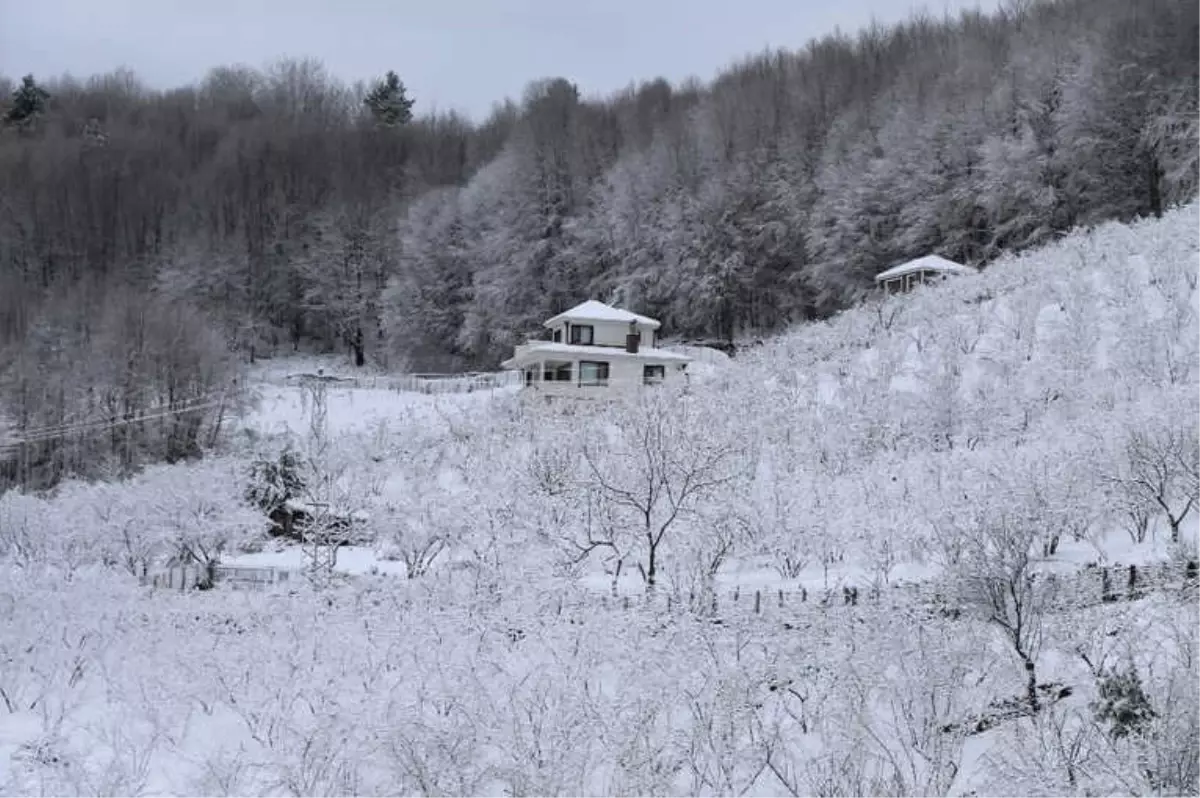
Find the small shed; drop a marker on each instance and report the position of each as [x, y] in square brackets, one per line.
[930, 268]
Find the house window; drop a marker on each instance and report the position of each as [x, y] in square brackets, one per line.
[652, 375]
[558, 373]
[529, 376]
[593, 373]
[581, 334]
[558, 336]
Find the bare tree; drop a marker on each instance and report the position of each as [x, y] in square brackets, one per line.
[652, 463]
[1162, 459]
[990, 556]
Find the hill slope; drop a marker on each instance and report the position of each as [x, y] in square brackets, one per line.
[983, 432]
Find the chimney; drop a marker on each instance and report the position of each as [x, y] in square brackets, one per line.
[633, 338]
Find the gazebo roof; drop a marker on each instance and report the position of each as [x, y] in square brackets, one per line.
[928, 263]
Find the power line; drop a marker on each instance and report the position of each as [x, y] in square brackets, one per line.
[62, 430]
[67, 428]
[46, 433]
[106, 425]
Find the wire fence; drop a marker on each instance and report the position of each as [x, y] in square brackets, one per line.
[1089, 587]
[238, 577]
[432, 383]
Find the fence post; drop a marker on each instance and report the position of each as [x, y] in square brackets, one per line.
[757, 601]
[781, 597]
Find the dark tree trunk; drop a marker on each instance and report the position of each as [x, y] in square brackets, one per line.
[357, 345]
[1154, 174]
[1031, 685]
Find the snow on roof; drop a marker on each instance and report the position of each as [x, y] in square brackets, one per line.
[598, 311]
[540, 349]
[930, 263]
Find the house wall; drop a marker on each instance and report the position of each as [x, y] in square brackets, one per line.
[623, 373]
[608, 333]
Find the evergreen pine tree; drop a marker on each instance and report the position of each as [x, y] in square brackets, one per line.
[388, 101]
[1123, 704]
[28, 102]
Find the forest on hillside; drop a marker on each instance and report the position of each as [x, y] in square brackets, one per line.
[150, 240]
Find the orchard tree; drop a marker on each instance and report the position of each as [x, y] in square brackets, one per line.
[653, 463]
[989, 540]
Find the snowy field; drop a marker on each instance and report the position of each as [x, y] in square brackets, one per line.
[529, 608]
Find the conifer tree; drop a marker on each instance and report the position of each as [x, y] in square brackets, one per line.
[388, 101]
[28, 102]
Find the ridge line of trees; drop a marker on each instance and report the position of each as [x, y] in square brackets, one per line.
[280, 208]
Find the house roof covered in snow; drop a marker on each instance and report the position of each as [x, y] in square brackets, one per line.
[592, 310]
[928, 263]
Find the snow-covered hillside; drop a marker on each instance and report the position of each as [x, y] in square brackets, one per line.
[977, 436]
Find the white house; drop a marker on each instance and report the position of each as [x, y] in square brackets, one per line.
[927, 269]
[593, 349]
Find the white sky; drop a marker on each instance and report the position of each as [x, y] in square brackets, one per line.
[462, 54]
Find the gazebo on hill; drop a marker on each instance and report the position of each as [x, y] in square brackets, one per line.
[930, 268]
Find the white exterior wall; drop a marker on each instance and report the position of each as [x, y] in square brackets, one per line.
[607, 333]
[624, 373]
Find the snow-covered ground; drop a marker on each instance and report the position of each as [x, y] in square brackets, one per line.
[999, 426]
[285, 409]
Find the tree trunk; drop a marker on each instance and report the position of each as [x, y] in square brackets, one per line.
[1154, 174]
[652, 567]
[1031, 684]
[357, 344]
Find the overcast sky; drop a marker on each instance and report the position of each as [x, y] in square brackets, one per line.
[462, 54]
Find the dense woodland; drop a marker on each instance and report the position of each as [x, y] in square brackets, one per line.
[150, 240]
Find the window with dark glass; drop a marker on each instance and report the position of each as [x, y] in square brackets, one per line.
[653, 374]
[581, 334]
[558, 373]
[593, 373]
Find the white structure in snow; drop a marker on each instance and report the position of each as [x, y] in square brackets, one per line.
[591, 350]
[927, 269]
